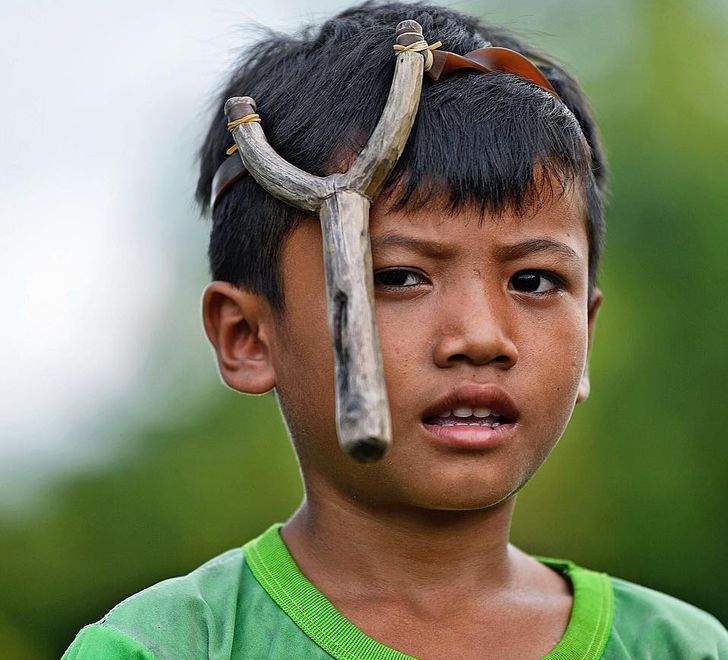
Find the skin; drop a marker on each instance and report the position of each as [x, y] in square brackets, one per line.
[414, 549]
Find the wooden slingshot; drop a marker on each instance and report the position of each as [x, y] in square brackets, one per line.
[342, 201]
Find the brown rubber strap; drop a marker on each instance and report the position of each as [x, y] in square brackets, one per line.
[230, 171]
[487, 60]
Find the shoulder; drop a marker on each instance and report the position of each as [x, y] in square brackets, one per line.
[178, 618]
[192, 597]
[651, 622]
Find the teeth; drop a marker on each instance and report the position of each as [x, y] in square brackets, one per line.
[490, 425]
[464, 412]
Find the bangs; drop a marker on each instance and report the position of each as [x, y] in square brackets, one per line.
[489, 141]
[496, 143]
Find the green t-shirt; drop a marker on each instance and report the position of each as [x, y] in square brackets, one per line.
[256, 603]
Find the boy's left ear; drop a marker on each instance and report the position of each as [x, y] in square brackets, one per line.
[584, 385]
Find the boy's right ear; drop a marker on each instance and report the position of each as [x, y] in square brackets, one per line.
[237, 325]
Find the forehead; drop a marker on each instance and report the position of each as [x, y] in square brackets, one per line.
[556, 218]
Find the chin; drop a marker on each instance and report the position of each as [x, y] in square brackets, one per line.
[466, 505]
[472, 494]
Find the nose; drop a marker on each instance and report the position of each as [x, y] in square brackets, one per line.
[476, 331]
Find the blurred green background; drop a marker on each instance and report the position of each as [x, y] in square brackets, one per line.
[637, 487]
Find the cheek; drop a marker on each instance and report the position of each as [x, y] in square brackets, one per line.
[552, 369]
[305, 391]
[405, 352]
[572, 344]
[559, 360]
[302, 351]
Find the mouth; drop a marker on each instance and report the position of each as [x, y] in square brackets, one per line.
[472, 417]
[468, 417]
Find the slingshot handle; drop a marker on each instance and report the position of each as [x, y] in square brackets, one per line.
[342, 200]
[362, 411]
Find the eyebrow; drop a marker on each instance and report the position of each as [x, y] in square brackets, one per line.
[423, 246]
[505, 253]
[525, 248]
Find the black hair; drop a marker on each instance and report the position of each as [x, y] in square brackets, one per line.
[477, 138]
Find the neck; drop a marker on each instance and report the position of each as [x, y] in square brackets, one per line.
[353, 551]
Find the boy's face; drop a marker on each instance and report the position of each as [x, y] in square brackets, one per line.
[460, 304]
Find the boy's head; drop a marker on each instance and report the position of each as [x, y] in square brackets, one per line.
[485, 249]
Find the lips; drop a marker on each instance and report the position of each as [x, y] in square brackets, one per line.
[473, 417]
[475, 399]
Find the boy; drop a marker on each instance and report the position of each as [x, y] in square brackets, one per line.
[485, 247]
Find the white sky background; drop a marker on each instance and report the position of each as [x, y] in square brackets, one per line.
[102, 250]
[103, 106]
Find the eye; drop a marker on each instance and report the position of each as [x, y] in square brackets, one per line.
[536, 282]
[398, 278]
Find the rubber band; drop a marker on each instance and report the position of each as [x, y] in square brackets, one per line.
[248, 119]
[253, 118]
[420, 46]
